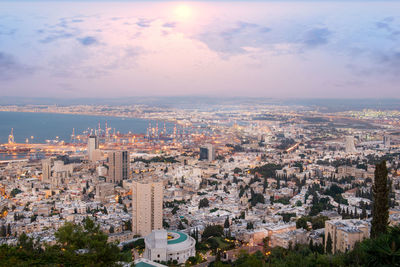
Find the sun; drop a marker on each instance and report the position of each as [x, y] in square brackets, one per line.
[183, 12]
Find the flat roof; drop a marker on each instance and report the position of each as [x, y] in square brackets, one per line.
[182, 237]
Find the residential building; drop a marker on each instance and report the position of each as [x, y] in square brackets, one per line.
[147, 207]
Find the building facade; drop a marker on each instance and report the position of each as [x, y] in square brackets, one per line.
[345, 233]
[147, 207]
[349, 145]
[118, 164]
[46, 170]
[93, 146]
[207, 152]
[162, 245]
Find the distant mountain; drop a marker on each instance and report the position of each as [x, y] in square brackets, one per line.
[188, 102]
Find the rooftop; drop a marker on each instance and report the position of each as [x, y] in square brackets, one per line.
[181, 237]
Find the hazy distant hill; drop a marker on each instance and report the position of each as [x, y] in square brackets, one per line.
[327, 104]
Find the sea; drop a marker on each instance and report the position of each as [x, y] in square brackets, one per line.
[39, 127]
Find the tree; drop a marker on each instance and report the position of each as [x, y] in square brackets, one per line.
[287, 216]
[383, 250]
[111, 229]
[212, 230]
[250, 225]
[265, 243]
[302, 223]
[226, 224]
[3, 231]
[88, 237]
[257, 198]
[174, 210]
[128, 225]
[363, 213]
[203, 203]
[237, 170]
[329, 244]
[380, 206]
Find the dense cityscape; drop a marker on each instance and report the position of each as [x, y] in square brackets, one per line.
[221, 182]
[224, 133]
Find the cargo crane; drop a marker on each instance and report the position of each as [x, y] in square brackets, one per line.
[11, 137]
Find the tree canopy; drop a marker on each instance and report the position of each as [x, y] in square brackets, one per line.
[76, 245]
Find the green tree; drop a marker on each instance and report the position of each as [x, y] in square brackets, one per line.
[226, 223]
[181, 226]
[364, 213]
[383, 250]
[128, 225]
[265, 243]
[212, 230]
[246, 260]
[380, 206]
[89, 238]
[3, 231]
[203, 203]
[302, 223]
[257, 198]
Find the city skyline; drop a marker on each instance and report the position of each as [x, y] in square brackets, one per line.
[276, 49]
[199, 133]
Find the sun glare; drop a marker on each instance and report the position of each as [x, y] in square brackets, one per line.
[183, 12]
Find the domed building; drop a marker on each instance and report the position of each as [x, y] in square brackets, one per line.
[162, 245]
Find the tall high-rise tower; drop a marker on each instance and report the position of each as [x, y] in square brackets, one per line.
[207, 152]
[349, 144]
[386, 141]
[93, 145]
[147, 207]
[118, 163]
[46, 170]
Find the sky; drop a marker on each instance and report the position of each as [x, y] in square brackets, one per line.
[278, 49]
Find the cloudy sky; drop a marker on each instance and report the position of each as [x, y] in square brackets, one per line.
[263, 48]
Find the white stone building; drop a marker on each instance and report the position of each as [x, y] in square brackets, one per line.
[162, 245]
